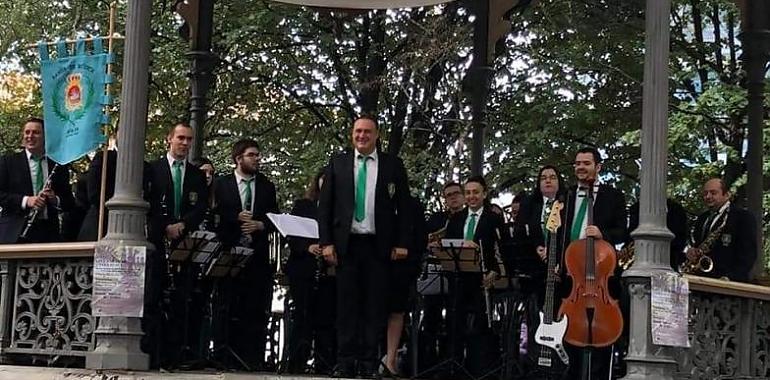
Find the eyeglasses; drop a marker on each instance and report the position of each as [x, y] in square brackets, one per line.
[452, 194]
[551, 177]
[251, 155]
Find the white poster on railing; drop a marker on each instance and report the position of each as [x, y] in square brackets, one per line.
[670, 309]
[118, 280]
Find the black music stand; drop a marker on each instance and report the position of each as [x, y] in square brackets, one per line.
[223, 268]
[187, 255]
[455, 257]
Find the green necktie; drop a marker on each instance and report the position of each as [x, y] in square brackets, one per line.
[177, 188]
[577, 225]
[471, 230]
[360, 212]
[38, 175]
[247, 194]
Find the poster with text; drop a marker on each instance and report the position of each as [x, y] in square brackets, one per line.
[118, 280]
[670, 309]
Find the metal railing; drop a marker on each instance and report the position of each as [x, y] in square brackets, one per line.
[729, 331]
[45, 300]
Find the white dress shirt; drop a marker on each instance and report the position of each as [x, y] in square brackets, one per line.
[239, 179]
[367, 225]
[33, 174]
[580, 196]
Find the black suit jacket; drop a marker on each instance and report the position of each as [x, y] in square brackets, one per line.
[302, 263]
[609, 213]
[228, 206]
[391, 204]
[528, 235]
[159, 192]
[16, 183]
[735, 250]
[487, 234]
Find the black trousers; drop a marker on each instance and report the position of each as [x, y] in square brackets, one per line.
[252, 296]
[155, 283]
[362, 288]
[313, 315]
[475, 344]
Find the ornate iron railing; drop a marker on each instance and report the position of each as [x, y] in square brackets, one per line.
[45, 300]
[729, 331]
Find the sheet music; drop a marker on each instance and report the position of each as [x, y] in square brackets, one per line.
[454, 243]
[292, 225]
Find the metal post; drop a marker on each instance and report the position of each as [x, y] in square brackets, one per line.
[756, 52]
[477, 82]
[646, 360]
[202, 63]
[118, 338]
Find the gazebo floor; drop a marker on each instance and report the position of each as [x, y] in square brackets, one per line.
[10, 372]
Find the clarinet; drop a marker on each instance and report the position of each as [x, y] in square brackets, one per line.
[487, 298]
[32, 216]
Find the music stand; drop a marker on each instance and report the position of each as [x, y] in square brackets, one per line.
[455, 257]
[219, 268]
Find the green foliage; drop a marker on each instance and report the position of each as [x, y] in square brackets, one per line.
[571, 75]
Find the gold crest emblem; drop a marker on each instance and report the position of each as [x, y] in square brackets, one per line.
[73, 95]
[193, 196]
[726, 240]
[392, 189]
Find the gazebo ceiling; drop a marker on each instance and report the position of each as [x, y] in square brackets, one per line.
[365, 4]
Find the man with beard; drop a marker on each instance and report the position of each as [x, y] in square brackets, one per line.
[243, 199]
[23, 189]
[609, 224]
[177, 193]
[731, 230]
[363, 224]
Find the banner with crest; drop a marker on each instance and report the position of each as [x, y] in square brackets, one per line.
[74, 98]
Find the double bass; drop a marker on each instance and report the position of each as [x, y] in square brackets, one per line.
[594, 316]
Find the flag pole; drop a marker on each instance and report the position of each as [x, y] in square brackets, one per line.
[105, 151]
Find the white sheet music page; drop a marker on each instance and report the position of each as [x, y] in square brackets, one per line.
[292, 225]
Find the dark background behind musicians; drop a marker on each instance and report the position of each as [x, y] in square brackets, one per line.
[90, 227]
[16, 183]
[676, 221]
[473, 334]
[164, 224]
[252, 289]
[403, 282]
[313, 294]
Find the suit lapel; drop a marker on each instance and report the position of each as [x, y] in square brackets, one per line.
[23, 164]
[348, 178]
[235, 195]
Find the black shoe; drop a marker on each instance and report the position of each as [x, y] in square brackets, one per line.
[367, 370]
[388, 374]
[344, 370]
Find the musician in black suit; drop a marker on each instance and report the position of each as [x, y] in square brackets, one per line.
[454, 202]
[609, 210]
[177, 193]
[363, 225]
[676, 221]
[480, 226]
[313, 294]
[243, 199]
[732, 232]
[23, 188]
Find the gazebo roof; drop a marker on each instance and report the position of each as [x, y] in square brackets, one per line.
[365, 4]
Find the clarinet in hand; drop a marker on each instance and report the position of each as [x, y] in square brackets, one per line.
[32, 216]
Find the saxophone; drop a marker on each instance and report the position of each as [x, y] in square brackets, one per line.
[627, 255]
[703, 263]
